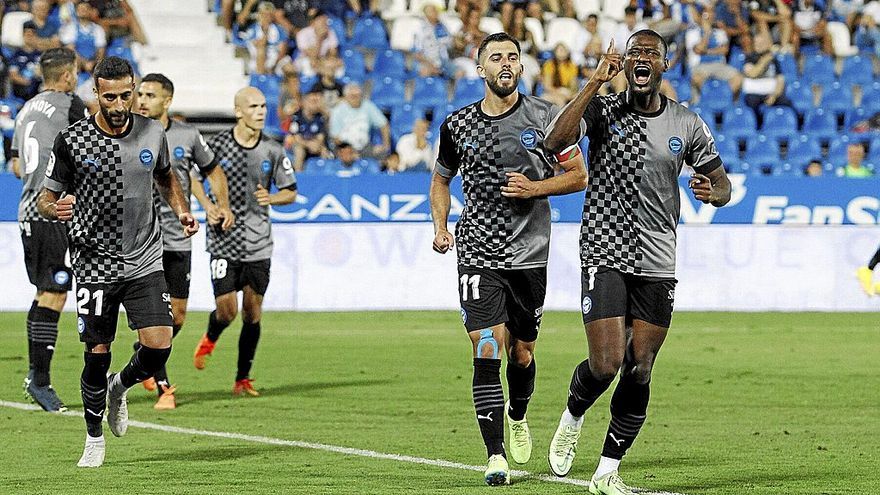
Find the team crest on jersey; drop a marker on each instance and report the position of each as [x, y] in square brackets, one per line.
[146, 156]
[61, 277]
[179, 152]
[80, 324]
[675, 145]
[266, 166]
[586, 305]
[463, 316]
[529, 139]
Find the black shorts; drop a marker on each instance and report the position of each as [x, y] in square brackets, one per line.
[232, 276]
[45, 244]
[146, 300]
[608, 293]
[516, 297]
[177, 266]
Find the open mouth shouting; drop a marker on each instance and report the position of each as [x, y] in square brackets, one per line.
[642, 74]
[505, 76]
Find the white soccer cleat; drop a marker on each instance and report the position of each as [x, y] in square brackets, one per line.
[563, 448]
[117, 406]
[93, 453]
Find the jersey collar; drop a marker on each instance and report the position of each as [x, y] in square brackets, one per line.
[632, 108]
[502, 115]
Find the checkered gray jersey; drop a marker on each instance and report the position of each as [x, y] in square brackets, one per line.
[189, 153]
[495, 232]
[114, 235]
[632, 204]
[250, 239]
[37, 124]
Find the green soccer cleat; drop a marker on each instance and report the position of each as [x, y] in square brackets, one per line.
[497, 471]
[563, 448]
[610, 484]
[520, 438]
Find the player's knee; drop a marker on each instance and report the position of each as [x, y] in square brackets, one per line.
[487, 346]
[521, 358]
[251, 315]
[97, 348]
[641, 374]
[605, 369]
[179, 316]
[226, 313]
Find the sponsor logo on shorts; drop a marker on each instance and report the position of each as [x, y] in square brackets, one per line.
[529, 139]
[675, 145]
[266, 166]
[188, 277]
[586, 305]
[80, 325]
[146, 156]
[463, 316]
[179, 152]
[671, 294]
[539, 312]
[61, 277]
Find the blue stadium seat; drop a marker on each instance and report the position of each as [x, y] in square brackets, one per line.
[739, 122]
[821, 124]
[387, 93]
[369, 32]
[682, 89]
[273, 120]
[728, 149]
[786, 169]
[269, 84]
[761, 149]
[819, 69]
[801, 96]
[788, 65]
[871, 97]
[708, 117]
[857, 70]
[390, 63]
[467, 91]
[836, 98]
[402, 119]
[715, 95]
[737, 60]
[338, 27]
[355, 67]
[854, 116]
[429, 92]
[803, 145]
[837, 151]
[779, 122]
[522, 88]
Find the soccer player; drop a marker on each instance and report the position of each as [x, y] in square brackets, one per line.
[44, 241]
[503, 238]
[189, 153]
[241, 256]
[865, 274]
[639, 141]
[100, 178]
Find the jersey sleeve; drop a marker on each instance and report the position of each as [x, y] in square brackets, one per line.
[702, 154]
[77, 111]
[163, 162]
[591, 123]
[60, 169]
[16, 139]
[203, 155]
[448, 160]
[282, 174]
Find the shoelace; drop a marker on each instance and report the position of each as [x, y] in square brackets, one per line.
[567, 442]
[614, 480]
[519, 434]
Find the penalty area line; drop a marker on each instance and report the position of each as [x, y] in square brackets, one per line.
[372, 454]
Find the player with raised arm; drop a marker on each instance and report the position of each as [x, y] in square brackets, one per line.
[639, 142]
[100, 178]
[190, 154]
[241, 256]
[44, 241]
[503, 238]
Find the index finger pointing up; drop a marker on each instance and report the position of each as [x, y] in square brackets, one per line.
[611, 47]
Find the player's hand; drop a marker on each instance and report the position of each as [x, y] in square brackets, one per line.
[64, 208]
[610, 64]
[213, 215]
[190, 225]
[227, 217]
[262, 195]
[519, 186]
[702, 188]
[443, 241]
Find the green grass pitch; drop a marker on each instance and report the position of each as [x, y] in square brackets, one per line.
[741, 404]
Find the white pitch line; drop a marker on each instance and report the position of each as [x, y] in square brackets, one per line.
[372, 454]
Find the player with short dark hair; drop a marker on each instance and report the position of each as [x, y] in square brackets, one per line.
[190, 155]
[100, 178]
[503, 238]
[44, 241]
[241, 256]
[639, 142]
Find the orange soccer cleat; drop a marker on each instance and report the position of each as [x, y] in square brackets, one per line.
[166, 400]
[203, 350]
[149, 384]
[244, 386]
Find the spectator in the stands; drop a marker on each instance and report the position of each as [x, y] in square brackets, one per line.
[465, 44]
[415, 149]
[24, 68]
[773, 18]
[354, 118]
[85, 37]
[307, 134]
[867, 35]
[763, 81]
[559, 76]
[266, 41]
[328, 83]
[810, 26]
[855, 156]
[589, 34]
[528, 48]
[391, 165]
[119, 21]
[293, 15]
[814, 168]
[707, 47]
[625, 29]
[42, 29]
[431, 48]
[733, 17]
[347, 155]
[506, 8]
[290, 100]
[846, 11]
[315, 43]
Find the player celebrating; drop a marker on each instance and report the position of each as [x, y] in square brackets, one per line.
[45, 242]
[503, 238]
[241, 256]
[99, 178]
[189, 152]
[639, 141]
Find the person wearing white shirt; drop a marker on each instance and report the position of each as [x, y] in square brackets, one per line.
[415, 149]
